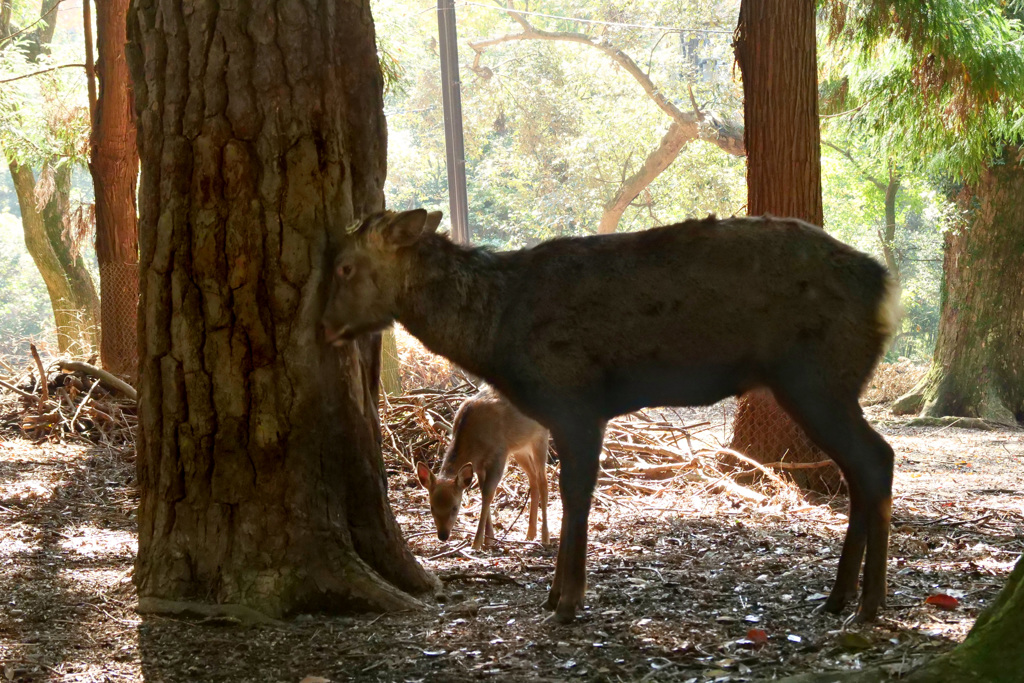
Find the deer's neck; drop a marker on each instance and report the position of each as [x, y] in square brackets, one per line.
[452, 301]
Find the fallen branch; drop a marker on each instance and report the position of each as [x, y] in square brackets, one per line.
[799, 465]
[43, 389]
[494, 577]
[15, 389]
[108, 380]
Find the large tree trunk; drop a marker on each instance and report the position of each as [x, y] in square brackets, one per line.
[777, 53]
[261, 136]
[978, 365]
[114, 164]
[72, 295]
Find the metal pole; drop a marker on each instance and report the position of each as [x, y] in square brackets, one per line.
[452, 99]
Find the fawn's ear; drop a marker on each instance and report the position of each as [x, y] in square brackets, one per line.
[406, 228]
[465, 475]
[425, 476]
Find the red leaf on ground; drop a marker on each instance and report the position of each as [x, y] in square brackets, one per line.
[942, 601]
[757, 637]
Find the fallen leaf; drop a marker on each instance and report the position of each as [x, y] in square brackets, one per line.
[942, 601]
[854, 642]
[758, 637]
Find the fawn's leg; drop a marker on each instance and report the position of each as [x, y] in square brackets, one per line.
[526, 462]
[490, 473]
[540, 460]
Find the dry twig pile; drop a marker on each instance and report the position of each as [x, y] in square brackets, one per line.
[67, 399]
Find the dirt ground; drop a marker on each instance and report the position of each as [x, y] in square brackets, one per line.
[682, 580]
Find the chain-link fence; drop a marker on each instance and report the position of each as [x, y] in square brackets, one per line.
[764, 431]
[119, 314]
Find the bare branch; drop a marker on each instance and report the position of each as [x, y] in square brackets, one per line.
[42, 71]
[860, 169]
[728, 138]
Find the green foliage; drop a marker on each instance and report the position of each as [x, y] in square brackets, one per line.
[44, 117]
[937, 84]
[552, 128]
[854, 212]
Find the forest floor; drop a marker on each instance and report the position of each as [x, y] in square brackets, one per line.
[684, 584]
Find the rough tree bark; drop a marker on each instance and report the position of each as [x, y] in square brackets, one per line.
[777, 54]
[978, 365]
[261, 136]
[114, 164]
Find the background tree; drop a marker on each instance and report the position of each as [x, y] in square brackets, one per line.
[114, 162]
[260, 474]
[776, 49]
[554, 127]
[43, 128]
[958, 108]
[684, 127]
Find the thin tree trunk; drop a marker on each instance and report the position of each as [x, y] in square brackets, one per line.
[390, 366]
[114, 164]
[656, 162]
[892, 189]
[979, 359]
[261, 136]
[777, 54]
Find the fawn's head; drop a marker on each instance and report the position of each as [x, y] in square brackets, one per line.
[445, 495]
[368, 275]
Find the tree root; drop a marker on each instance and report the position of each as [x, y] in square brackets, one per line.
[241, 614]
[953, 421]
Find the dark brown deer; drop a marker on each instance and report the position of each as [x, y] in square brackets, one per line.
[487, 428]
[578, 330]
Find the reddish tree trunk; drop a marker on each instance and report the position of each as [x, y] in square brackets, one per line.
[777, 53]
[114, 164]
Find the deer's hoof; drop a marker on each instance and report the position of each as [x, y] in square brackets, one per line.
[565, 614]
[835, 603]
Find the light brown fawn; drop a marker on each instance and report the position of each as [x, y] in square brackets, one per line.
[486, 429]
[577, 330]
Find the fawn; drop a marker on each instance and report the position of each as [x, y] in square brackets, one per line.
[577, 330]
[486, 429]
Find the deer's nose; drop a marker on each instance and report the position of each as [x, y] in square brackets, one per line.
[443, 535]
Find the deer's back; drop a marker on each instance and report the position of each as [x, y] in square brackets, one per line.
[716, 304]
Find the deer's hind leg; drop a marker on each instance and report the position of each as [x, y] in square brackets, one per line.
[837, 425]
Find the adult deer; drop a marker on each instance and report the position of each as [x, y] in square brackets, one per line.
[578, 330]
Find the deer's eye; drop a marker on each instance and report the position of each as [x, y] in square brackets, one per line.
[345, 270]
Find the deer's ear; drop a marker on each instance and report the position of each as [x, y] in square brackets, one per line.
[406, 228]
[465, 476]
[433, 220]
[425, 476]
